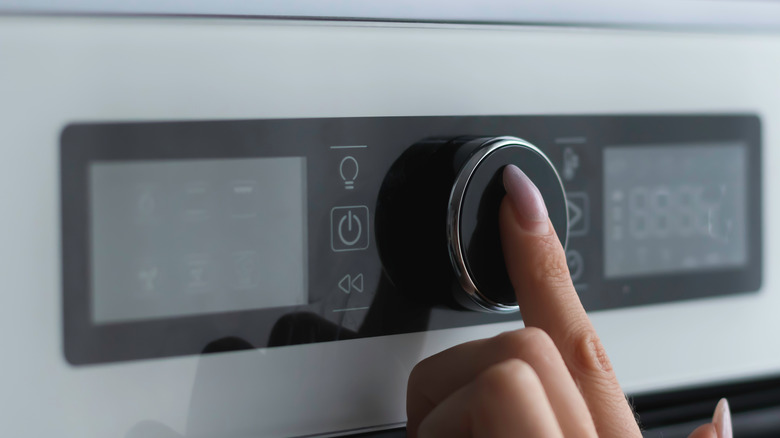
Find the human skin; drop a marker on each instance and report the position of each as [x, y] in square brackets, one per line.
[550, 379]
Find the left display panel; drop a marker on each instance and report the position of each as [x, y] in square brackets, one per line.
[196, 237]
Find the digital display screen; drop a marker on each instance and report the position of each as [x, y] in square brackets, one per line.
[191, 237]
[674, 208]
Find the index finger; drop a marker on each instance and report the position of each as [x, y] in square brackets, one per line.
[536, 263]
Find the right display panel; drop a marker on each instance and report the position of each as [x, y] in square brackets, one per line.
[674, 208]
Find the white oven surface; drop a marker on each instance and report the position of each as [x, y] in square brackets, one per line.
[54, 71]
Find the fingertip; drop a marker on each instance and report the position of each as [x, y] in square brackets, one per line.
[527, 201]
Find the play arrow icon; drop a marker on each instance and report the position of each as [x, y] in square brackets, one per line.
[575, 215]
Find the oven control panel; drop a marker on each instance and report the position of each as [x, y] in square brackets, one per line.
[206, 236]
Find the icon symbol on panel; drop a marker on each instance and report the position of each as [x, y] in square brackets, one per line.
[147, 277]
[351, 221]
[245, 270]
[348, 170]
[576, 264]
[579, 213]
[571, 162]
[243, 199]
[197, 273]
[146, 208]
[348, 283]
[349, 228]
[198, 201]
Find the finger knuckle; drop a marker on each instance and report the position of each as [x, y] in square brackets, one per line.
[526, 343]
[589, 357]
[422, 370]
[414, 375]
[537, 339]
[418, 379]
[505, 381]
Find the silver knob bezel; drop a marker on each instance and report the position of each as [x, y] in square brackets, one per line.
[486, 147]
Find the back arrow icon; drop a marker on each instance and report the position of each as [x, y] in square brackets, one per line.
[357, 283]
[345, 283]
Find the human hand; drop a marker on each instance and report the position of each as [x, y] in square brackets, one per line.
[551, 379]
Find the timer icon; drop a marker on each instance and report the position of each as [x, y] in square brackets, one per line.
[348, 169]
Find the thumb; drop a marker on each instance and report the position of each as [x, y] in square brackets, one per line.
[720, 426]
[722, 419]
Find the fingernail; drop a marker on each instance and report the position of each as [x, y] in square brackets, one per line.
[527, 201]
[722, 419]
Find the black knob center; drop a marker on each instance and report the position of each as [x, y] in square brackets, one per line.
[437, 218]
[475, 244]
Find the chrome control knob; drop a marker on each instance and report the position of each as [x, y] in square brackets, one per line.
[437, 219]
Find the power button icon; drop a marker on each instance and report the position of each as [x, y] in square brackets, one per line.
[349, 228]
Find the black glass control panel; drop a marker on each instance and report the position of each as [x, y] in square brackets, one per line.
[206, 236]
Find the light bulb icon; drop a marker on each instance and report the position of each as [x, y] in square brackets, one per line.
[348, 169]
